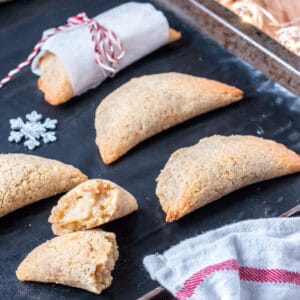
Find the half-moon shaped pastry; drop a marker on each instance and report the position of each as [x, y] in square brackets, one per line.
[216, 166]
[82, 259]
[147, 105]
[25, 179]
[91, 204]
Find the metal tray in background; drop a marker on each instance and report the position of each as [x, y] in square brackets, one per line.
[267, 110]
[244, 40]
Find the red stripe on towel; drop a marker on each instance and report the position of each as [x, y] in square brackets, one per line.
[245, 273]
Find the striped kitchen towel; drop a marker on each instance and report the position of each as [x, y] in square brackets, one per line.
[255, 259]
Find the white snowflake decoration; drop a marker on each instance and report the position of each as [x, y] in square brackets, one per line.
[32, 130]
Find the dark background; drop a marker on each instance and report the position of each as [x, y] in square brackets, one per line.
[267, 110]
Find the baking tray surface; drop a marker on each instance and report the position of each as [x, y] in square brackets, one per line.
[267, 110]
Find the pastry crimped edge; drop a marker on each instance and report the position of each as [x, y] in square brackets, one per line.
[54, 81]
[285, 160]
[109, 202]
[82, 259]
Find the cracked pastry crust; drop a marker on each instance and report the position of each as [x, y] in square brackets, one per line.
[25, 179]
[149, 104]
[54, 81]
[83, 259]
[197, 175]
[91, 204]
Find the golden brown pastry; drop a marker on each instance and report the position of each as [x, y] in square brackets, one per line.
[54, 81]
[82, 259]
[91, 204]
[147, 105]
[216, 166]
[25, 179]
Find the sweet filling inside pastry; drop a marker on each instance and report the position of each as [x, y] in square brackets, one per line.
[90, 206]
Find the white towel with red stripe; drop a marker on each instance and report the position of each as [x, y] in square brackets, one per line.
[255, 259]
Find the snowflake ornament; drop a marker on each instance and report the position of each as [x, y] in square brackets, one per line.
[32, 130]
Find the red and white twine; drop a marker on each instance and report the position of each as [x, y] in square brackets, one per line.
[107, 46]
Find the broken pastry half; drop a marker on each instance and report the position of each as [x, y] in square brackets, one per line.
[218, 165]
[149, 104]
[25, 179]
[83, 259]
[91, 204]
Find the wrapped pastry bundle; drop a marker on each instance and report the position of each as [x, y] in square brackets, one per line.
[67, 63]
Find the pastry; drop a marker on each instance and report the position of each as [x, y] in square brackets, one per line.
[82, 259]
[149, 104]
[197, 175]
[68, 69]
[25, 179]
[91, 204]
[54, 81]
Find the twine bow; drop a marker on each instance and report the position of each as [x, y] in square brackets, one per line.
[107, 46]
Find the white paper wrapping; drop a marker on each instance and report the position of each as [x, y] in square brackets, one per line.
[140, 27]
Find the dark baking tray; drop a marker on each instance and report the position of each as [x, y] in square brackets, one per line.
[267, 110]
